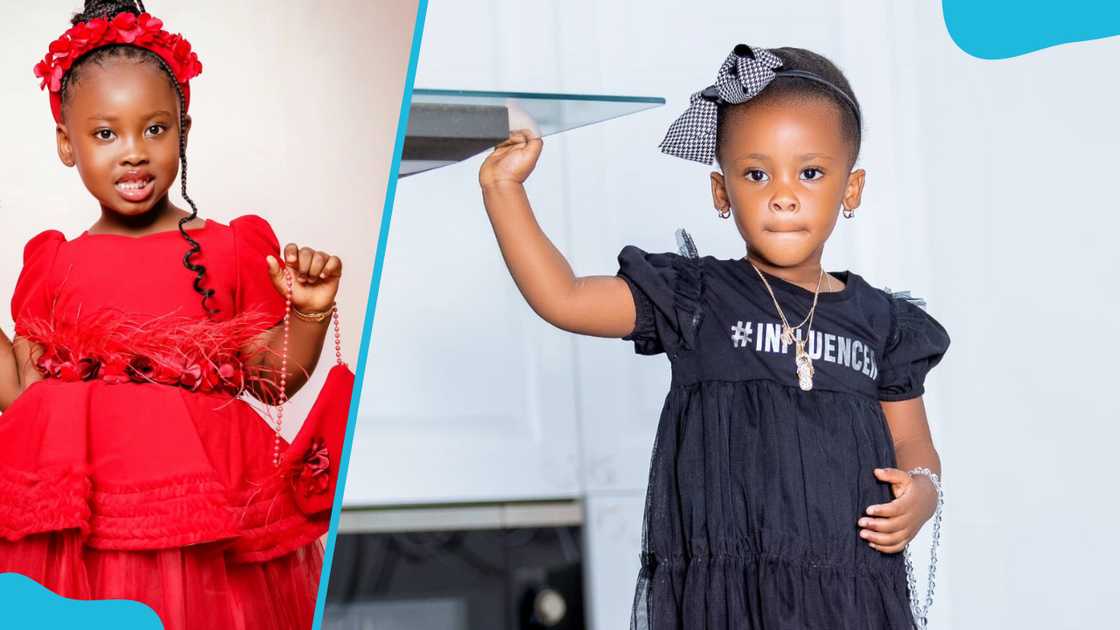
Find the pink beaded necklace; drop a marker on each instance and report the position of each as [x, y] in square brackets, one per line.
[284, 360]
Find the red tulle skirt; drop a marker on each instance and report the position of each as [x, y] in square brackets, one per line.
[190, 588]
[158, 494]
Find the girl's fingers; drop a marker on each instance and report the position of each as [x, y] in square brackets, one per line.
[318, 261]
[519, 138]
[333, 268]
[305, 256]
[291, 254]
[515, 139]
[276, 274]
[535, 146]
[308, 265]
[506, 145]
[891, 475]
[887, 510]
[888, 548]
[899, 479]
[884, 525]
[882, 539]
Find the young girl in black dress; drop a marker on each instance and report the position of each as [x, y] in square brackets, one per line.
[793, 459]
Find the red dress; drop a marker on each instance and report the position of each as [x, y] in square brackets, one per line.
[138, 483]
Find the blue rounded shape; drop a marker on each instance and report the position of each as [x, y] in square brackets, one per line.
[24, 603]
[998, 29]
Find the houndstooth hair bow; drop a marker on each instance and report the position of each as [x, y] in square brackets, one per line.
[744, 74]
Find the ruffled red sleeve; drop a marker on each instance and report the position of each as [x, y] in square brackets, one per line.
[33, 295]
[253, 240]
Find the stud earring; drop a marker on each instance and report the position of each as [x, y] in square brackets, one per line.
[849, 213]
[724, 213]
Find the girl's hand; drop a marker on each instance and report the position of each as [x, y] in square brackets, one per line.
[889, 526]
[315, 277]
[512, 160]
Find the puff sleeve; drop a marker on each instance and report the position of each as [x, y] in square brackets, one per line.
[33, 293]
[667, 291]
[253, 240]
[916, 344]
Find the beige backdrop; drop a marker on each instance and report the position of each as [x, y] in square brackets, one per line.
[295, 117]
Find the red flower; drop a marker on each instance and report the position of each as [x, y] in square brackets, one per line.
[45, 71]
[115, 370]
[317, 459]
[79, 34]
[47, 366]
[210, 380]
[190, 376]
[127, 27]
[59, 47]
[89, 32]
[67, 371]
[59, 364]
[149, 28]
[88, 368]
[232, 376]
[140, 369]
[150, 23]
[226, 371]
[181, 49]
[312, 473]
[166, 373]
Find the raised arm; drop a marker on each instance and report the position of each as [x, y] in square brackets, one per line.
[591, 305]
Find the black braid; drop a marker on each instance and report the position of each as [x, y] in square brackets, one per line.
[107, 9]
[199, 270]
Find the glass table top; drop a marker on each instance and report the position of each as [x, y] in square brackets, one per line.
[447, 126]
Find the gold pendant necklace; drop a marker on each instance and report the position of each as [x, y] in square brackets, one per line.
[801, 356]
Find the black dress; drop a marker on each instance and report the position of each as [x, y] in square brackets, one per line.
[755, 486]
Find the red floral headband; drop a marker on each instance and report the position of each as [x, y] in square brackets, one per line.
[142, 31]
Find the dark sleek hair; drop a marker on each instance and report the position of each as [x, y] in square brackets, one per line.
[799, 88]
[107, 9]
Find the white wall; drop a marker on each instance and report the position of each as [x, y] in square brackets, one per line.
[1021, 233]
[295, 116]
[988, 193]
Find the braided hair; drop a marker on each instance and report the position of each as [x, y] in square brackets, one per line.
[107, 9]
[799, 88]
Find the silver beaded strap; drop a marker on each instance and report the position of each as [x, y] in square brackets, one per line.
[921, 611]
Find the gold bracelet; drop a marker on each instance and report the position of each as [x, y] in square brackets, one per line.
[315, 318]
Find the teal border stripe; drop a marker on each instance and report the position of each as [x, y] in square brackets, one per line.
[367, 326]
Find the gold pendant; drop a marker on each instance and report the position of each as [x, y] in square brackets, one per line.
[804, 368]
[787, 335]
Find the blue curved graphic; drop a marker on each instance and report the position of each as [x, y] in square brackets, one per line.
[998, 29]
[24, 603]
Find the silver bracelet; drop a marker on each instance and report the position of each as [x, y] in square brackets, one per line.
[920, 612]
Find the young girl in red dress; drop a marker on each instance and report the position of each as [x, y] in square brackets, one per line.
[130, 465]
